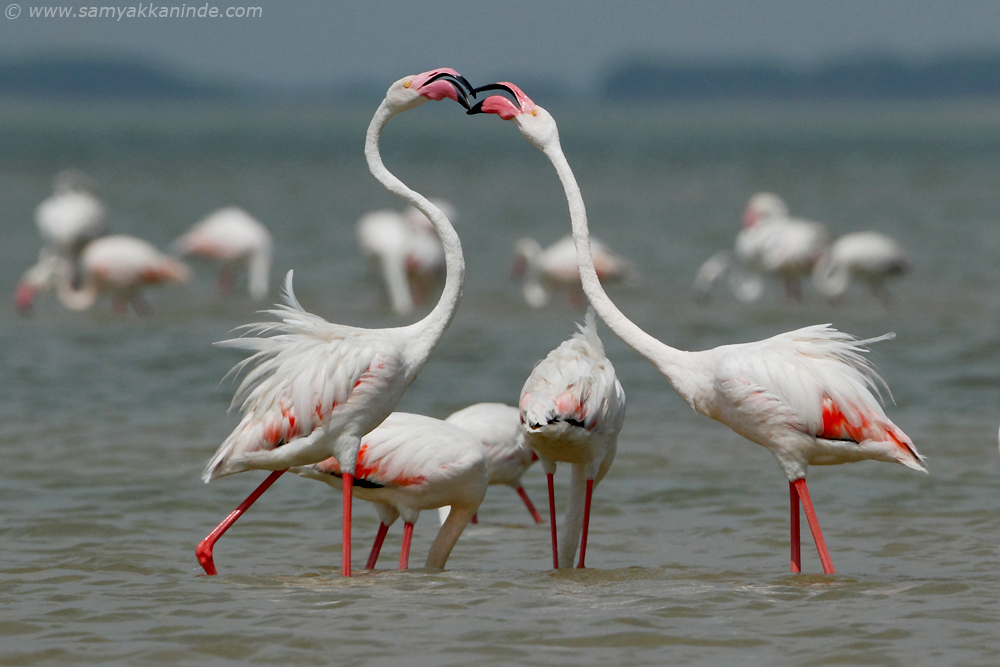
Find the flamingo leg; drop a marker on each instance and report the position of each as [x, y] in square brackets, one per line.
[404, 552]
[530, 505]
[204, 549]
[796, 540]
[475, 518]
[824, 555]
[552, 521]
[345, 564]
[377, 546]
[586, 522]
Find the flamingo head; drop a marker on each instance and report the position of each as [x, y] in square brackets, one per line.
[435, 84]
[763, 206]
[535, 123]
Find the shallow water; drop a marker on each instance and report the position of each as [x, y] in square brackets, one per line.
[108, 420]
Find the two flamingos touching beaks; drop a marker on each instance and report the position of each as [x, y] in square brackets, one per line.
[314, 390]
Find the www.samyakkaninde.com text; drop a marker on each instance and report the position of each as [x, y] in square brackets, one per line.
[144, 10]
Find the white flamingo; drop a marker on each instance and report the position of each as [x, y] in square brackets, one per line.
[808, 396]
[411, 463]
[572, 408]
[406, 250]
[771, 244]
[869, 258]
[497, 426]
[235, 241]
[316, 388]
[70, 218]
[543, 271]
[118, 265]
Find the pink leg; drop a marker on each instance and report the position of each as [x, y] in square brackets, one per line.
[824, 555]
[552, 521]
[345, 559]
[377, 547]
[404, 552]
[586, 522]
[204, 550]
[796, 540]
[530, 505]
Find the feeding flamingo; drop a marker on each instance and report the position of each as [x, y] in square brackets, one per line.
[406, 250]
[497, 426]
[808, 396]
[70, 218]
[117, 265]
[316, 388]
[411, 463]
[235, 241]
[869, 258]
[543, 271]
[572, 408]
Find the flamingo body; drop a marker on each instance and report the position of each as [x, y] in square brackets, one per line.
[411, 463]
[571, 409]
[544, 271]
[869, 258]
[235, 241]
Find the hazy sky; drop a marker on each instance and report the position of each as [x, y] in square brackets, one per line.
[318, 41]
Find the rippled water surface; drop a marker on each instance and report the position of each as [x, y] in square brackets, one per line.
[107, 421]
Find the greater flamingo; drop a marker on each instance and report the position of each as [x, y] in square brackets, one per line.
[497, 426]
[869, 258]
[808, 396]
[235, 241]
[70, 218]
[572, 408]
[411, 463]
[771, 244]
[317, 388]
[405, 250]
[545, 270]
[117, 265]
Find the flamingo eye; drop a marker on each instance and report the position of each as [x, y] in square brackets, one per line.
[534, 112]
[407, 83]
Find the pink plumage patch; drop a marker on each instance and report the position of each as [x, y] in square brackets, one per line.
[836, 426]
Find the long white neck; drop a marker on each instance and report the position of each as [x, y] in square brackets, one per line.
[668, 360]
[433, 325]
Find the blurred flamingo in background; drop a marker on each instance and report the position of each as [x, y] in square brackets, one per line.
[808, 396]
[571, 409]
[70, 218]
[869, 258]
[543, 271]
[411, 463]
[316, 388]
[497, 426]
[405, 250]
[234, 241]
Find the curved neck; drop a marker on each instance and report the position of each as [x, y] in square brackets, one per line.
[448, 534]
[441, 315]
[664, 357]
[74, 298]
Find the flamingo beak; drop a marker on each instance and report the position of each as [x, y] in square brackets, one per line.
[478, 108]
[462, 87]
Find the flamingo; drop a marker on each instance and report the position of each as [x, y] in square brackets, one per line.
[497, 426]
[120, 266]
[870, 258]
[234, 240]
[571, 409]
[316, 388]
[70, 218]
[770, 244]
[406, 250]
[808, 396]
[543, 271]
[411, 463]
